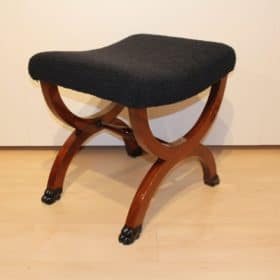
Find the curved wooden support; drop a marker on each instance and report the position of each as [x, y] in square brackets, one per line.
[179, 148]
[133, 226]
[209, 112]
[61, 164]
[84, 128]
[71, 146]
[57, 106]
[108, 115]
[208, 165]
[168, 155]
[146, 190]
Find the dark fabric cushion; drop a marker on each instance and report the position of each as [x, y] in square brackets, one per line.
[139, 71]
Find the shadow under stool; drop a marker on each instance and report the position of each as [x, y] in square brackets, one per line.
[138, 72]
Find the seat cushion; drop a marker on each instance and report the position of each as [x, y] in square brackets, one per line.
[139, 71]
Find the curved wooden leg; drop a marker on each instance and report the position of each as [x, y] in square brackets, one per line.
[84, 128]
[133, 226]
[208, 164]
[61, 164]
[168, 155]
[132, 229]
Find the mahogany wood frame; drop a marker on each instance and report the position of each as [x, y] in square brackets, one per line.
[136, 138]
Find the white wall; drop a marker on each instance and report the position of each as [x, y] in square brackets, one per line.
[250, 112]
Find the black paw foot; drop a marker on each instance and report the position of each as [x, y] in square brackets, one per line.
[212, 182]
[129, 235]
[51, 196]
[136, 152]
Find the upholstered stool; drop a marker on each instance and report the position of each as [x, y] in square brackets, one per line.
[138, 72]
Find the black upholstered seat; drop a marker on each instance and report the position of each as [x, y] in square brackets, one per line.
[139, 71]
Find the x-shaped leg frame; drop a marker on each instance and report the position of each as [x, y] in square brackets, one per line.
[136, 138]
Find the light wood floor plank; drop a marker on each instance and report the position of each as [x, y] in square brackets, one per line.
[191, 231]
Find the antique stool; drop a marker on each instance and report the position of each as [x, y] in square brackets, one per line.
[139, 71]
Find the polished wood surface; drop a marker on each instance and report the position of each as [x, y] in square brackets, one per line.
[191, 232]
[146, 191]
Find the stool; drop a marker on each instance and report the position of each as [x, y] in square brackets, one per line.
[138, 72]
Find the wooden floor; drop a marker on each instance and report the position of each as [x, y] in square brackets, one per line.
[191, 231]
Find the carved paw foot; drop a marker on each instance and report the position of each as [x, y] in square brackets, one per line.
[212, 182]
[129, 235]
[51, 196]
